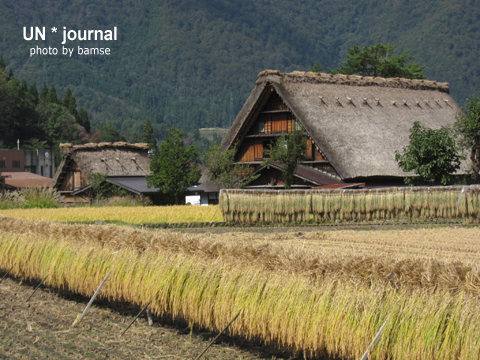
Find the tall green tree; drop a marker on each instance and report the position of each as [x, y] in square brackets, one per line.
[467, 128]
[174, 167]
[83, 119]
[18, 118]
[378, 60]
[57, 123]
[148, 135]
[44, 92]
[222, 169]
[34, 93]
[52, 96]
[288, 151]
[431, 154]
[70, 103]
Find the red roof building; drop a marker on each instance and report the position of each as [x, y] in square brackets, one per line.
[18, 180]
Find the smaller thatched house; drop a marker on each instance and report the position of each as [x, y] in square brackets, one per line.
[125, 165]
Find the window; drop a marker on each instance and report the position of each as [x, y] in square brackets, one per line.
[16, 163]
[261, 126]
[3, 164]
[298, 126]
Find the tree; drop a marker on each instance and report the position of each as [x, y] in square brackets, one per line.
[316, 67]
[44, 92]
[103, 189]
[222, 169]
[378, 60]
[57, 123]
[288, 151]
[431, 154]
[18, 118]
[108, 134]
[52, 96]
[34, 93]
[467, 128]
[70, 103]
[174, 167]
[134, 138]
[148, 135]
[83, 119]
[34, 144]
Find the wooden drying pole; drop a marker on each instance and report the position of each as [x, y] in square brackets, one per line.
[216, 337]
[80, 317]
[374, 343]
[6, 274]
[136, 317]
[34, 291]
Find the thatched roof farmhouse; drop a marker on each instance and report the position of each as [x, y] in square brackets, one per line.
[354, 124]
[126, 166]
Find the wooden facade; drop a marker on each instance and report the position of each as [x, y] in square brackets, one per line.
[74, 179]
[274, 119]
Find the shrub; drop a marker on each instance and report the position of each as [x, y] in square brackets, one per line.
[127, 200]
[30, 197]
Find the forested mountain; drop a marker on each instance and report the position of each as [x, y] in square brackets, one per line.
[192, 64]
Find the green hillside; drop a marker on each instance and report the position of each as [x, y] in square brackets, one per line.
[192, 64]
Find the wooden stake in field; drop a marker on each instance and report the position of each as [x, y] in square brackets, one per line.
[220, 333]
[41, 282]
[136, 317]
[80, 317]
[374, 343]
[6, 274]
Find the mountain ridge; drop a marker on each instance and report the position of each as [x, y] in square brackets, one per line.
[193, 64]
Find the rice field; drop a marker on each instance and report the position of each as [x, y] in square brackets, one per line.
[131, 215]
[444, 202]
[312, 292]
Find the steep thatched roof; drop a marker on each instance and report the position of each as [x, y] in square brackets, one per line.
[356, 122]
[117, 159]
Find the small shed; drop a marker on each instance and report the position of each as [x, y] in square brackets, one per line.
[206, 193]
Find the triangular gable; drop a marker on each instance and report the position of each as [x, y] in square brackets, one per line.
[254, 105]
[68, 177]
[267, 113]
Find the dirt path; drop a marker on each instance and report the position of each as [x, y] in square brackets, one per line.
[361, 226]
[40, 329]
